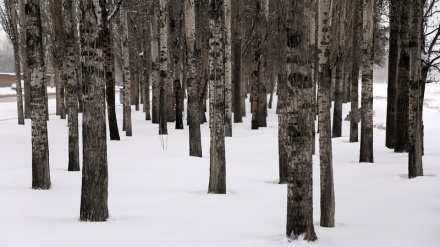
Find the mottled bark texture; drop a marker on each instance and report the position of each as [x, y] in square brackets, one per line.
[366, 151]
[283, 144]
[217, 171]
[415, 146]
[257, 47]
[109, 58]
[228, 68]
[71, 84]
[237, 30]
[263, 73]
[126, 74]
[393, 58]
[325, 141]
[195, 142]
[163, 40]
[155, 64]
[357, 36]
[37, 67]
[23, 53]
[94, 190]
[299, 121]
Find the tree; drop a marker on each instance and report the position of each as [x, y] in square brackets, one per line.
[155, 64]
[110, 76]
[325, 141]
[36, 65]
[257, 28]
[228, 68]
[300, 119]
[9, 21]
[366, 151]
[23, 51]
[415, 166]
[393, 57]
[217, 174]
[94, 190]
[356, 34]
[163, 40]
[237, 39]
[401, 140]
[195, 143]
[69, 72]
[126, 73]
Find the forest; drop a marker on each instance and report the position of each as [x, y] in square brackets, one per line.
[302, 67]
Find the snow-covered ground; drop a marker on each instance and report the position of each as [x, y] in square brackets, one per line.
[157, 193]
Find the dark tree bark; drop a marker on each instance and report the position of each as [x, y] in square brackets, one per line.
[126, 76]
[256, 65]
[37, 67]
[163, 40]
[94, 190]
[357, 35]
[110, 78]
[366, 150]
[299, 119]
[195, 143]
[401, 141]
[155, 62]
[393, 59]
[71, 84]
[325, 141]
[217, 174]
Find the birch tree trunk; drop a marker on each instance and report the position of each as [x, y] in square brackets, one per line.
[94, 190]
[23, 53]
[325, 141]
[71, 84]
[237, 19]
[262, 89]
[300, 120]
[15, 39]
[366, 151]
[282, 108]
[228, 69]
[415, 146]
[256, 64]
[195, 143]
[37, 68]
[339, 41]
[110, 77]
[217, 174]
[155, 64]
[354, 112]
[126, 77]
[393, 58]
[163, 67]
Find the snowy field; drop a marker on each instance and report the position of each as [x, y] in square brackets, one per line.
[158, 194]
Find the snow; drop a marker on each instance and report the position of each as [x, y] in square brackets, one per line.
[158, 197]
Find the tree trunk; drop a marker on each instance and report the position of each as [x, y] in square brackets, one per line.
[195, 143]
[126, 77]
[110, 78]
[71, 84]
[339, 39]
[393, 59]
[256, 65]
[262, 89]
[228, 69]
[155, 63]
[366, 151]
[94, 191]
[299, 121]
[237, 23]
[23, 53]
[401, 141]
[325, 141]
[354, 113]
[217, 174]
[163, 67]
[37, 67]
[415, 149]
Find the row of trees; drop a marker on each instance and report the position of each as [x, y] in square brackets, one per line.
[222, 50]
